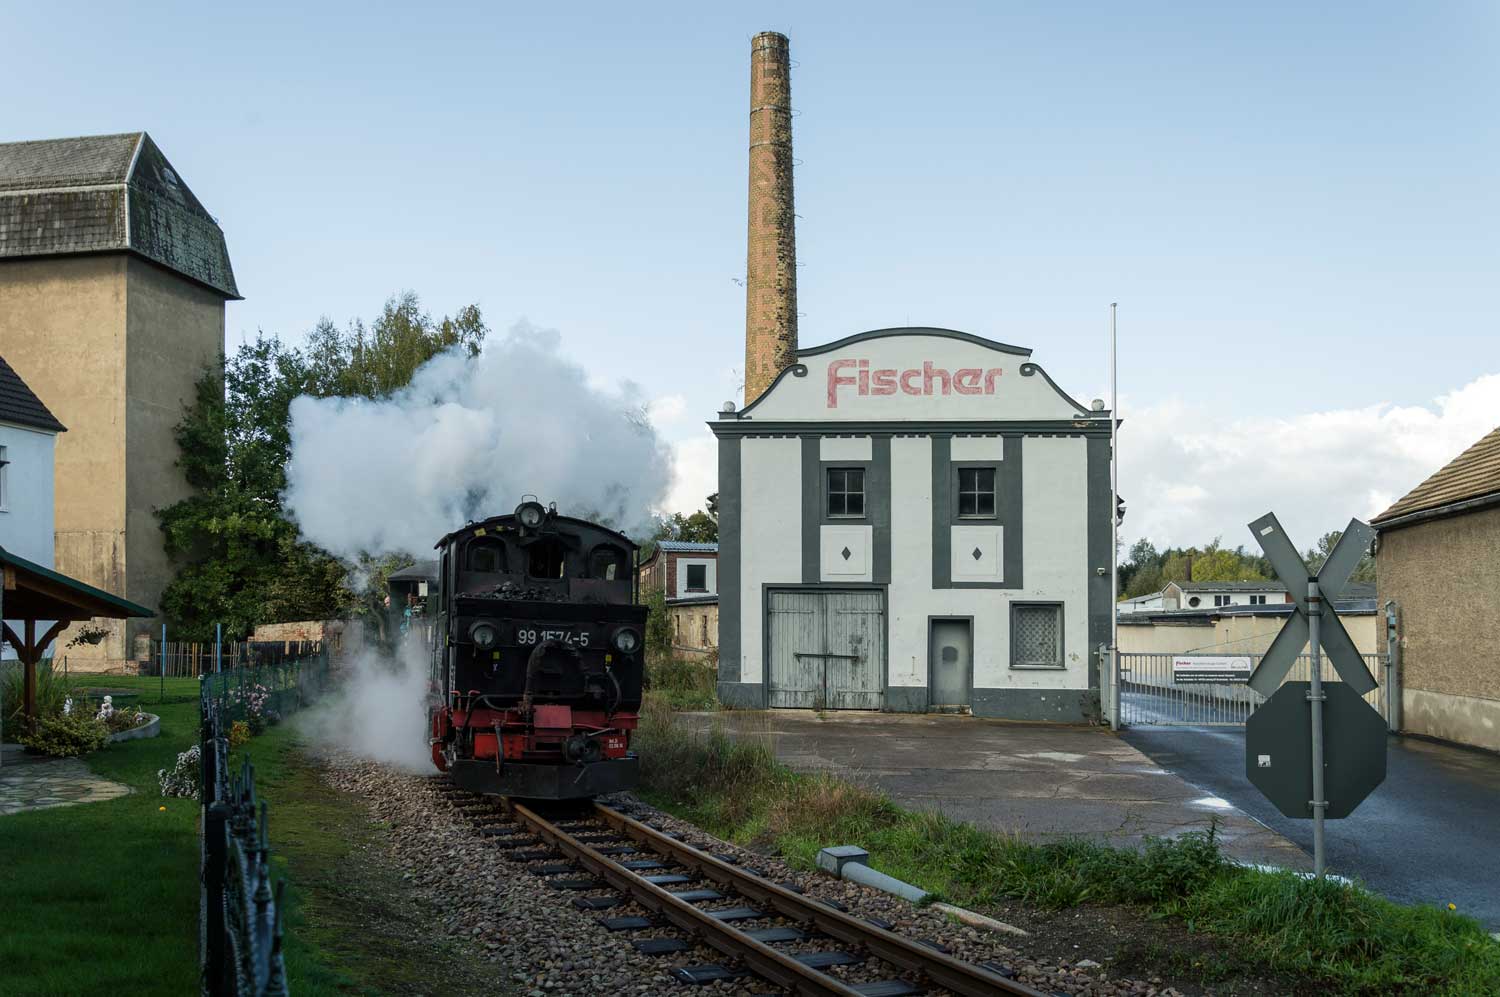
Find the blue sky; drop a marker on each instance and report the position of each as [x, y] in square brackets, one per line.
[1295, 205]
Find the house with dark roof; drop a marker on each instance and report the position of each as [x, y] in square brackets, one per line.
[688, 573]
[1437, 569]
[113, 283]
[28, 434]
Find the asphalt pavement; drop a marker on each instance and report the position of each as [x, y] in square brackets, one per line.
[1429, 834]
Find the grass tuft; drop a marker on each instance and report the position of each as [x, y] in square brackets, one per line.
[682, 683]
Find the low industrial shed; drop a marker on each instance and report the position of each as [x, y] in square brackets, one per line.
[912, 520]
[1437, 559]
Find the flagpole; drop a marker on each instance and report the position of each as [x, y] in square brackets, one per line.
[1114, 531]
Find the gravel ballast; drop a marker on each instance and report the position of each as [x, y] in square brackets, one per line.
[542, 945]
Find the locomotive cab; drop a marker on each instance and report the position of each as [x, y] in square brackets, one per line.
[538, 656]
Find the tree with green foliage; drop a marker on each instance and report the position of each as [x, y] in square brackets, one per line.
[701, 527]
[1315, 556]
[242, 560]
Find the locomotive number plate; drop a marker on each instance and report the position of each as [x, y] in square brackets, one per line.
[536, 635]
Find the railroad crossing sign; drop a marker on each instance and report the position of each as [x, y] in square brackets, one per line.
[1330, 771]
[1331, 579]
[1278, 752]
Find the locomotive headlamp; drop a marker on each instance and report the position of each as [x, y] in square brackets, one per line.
[626, 640]
[530, 514]
[484, 635]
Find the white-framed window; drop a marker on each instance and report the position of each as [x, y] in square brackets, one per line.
[1223, 600]
[1257, 600]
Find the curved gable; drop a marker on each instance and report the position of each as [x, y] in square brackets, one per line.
[913, 374]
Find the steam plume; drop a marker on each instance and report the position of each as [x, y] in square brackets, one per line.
[465, 440]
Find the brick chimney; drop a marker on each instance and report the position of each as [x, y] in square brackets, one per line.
[771, 263]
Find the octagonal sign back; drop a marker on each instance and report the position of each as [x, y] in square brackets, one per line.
[1278, 749]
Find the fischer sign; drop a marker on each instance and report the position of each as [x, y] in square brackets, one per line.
[924, 380]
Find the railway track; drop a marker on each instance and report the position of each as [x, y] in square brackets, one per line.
[631, 862]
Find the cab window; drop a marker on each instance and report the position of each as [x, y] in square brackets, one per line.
[485, 555]
[607, 562]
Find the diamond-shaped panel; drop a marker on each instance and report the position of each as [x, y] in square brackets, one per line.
[977, 554]
[847, 553]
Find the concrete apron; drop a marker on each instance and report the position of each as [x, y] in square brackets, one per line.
[1041, 781]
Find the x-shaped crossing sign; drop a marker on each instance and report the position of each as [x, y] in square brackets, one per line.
[1332, 578]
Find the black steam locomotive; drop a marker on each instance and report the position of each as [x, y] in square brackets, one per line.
[537, 658]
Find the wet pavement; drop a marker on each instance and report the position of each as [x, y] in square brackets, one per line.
[35, 782]
[1429, 834]
[1041, 781]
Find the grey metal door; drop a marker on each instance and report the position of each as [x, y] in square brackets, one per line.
[827, 650]
[855, 627]
[951, 661]
[796, 633]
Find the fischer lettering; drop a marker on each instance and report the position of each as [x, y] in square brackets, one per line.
[912, 381]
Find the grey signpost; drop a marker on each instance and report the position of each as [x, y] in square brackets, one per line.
[1344, 760]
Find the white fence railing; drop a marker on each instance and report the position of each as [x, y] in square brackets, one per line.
[1149, 694]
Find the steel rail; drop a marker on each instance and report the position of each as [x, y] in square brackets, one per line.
[904, 953]
[778, 967]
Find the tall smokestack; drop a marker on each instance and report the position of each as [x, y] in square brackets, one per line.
[771, 264]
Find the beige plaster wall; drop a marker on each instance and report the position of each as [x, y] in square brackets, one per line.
[1238, 635]
[687, 630]
[174, 331]
[113, 345]
[1445, 578]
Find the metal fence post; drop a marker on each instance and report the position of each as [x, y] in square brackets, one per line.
[1315, 698]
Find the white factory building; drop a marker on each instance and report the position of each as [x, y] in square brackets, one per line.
[914, 520]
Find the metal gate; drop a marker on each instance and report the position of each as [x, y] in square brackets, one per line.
[827, 649]
[1149, 694]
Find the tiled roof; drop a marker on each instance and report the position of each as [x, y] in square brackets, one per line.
[107, 193]
[1472, 474]
[686, 546]
[21, 406]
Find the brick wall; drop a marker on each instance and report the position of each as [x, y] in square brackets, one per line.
[771, 259]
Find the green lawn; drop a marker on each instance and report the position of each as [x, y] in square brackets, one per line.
[103, 897]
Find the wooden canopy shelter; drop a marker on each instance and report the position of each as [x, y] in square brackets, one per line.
[31, 594]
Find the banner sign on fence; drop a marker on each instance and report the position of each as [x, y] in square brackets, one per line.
[1210, 669]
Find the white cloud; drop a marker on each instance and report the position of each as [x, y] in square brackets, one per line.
[695, 473]
[1189, 473]
[666, 410]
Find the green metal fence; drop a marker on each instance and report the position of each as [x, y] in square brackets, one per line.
[268, 691]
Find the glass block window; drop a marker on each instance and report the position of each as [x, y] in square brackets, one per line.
[846, 491]
[976, 492]
[1036, 636]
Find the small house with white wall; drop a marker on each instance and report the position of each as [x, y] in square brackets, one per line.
[914, 519]
[28, 433]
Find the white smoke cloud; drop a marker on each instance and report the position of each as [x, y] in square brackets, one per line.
[695, 473]
[466, 439]
[1190, 473]
[378, 712]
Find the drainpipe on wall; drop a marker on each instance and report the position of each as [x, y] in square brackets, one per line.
[1392, 667]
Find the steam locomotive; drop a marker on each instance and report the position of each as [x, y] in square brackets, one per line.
[538, 650]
